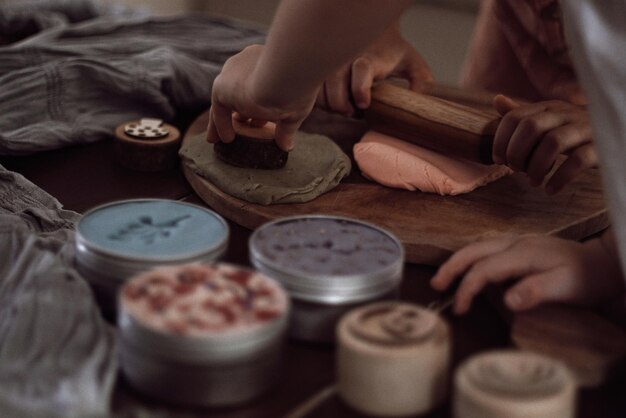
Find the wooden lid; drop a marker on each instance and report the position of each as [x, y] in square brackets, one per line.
[266, 132]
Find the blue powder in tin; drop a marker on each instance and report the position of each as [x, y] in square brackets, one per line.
[153, 229]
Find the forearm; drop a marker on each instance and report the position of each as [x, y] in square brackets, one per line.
[311, 38]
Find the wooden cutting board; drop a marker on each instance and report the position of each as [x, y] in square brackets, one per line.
[430, 226]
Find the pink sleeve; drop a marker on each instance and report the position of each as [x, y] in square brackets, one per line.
[519, 49]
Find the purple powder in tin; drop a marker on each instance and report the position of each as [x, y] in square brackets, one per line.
[326, 246]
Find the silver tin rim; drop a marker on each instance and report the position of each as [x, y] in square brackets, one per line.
[107, 253]
[120, 270]
[186, 349]
[330, 289]
[211, 348]
[119, 267]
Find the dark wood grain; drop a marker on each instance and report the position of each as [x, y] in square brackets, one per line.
[430, 226]
[442, 125]
[85, 176]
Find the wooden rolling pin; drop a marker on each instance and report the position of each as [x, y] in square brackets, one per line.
[446, 127]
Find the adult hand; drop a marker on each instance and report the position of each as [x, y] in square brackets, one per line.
[549, 270]
[531, 137]
[234, 90]
[389, 55]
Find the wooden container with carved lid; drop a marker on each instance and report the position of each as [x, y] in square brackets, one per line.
[514, 384]
[147, 145]
[393, 359]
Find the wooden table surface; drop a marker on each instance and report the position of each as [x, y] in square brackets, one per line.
[85, 176]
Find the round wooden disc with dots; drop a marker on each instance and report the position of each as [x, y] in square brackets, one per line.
[147, 145]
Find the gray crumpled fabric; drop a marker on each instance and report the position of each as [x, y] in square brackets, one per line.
[70, 72]
[57, 354]
[79, 72]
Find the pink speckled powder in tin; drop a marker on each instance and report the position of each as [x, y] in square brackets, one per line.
[208, 335]
[201, 300]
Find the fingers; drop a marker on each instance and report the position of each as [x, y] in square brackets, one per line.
[555, 285]
[320, 100]
[530, 292]
[241, 118]
[504, 104]
[222, 117]
[559, 141]
[528, 134]
[337, 93]
[463, 259]
[255, 123]
[258, 123]
[285, 130]
[548, 269]
[212, 135]
[514, 261]
[418, 73]
[220, 124]
[507, 127]
[581, 159]
[361, 82]
[285, 133]
[530, 138]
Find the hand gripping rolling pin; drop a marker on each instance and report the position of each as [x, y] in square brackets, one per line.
[446, 127]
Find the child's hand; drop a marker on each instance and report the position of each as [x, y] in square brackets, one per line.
[549, 270]
[531, 137]
[233, 91]
[390, 55]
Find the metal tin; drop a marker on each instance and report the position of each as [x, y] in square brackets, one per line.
[218, 365]
[120, 239]
[393, 345]
[329, 265]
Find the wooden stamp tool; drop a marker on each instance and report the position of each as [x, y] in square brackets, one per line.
[147, 145]
[253, 147]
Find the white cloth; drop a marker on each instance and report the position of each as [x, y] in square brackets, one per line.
[596, 32]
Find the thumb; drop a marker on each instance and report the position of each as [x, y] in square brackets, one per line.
[220, 124]
[419, 75]
[504, 104]
[362, 78]
[556, 285]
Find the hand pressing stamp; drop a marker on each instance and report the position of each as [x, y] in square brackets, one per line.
[253, 147]
[147, 145]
